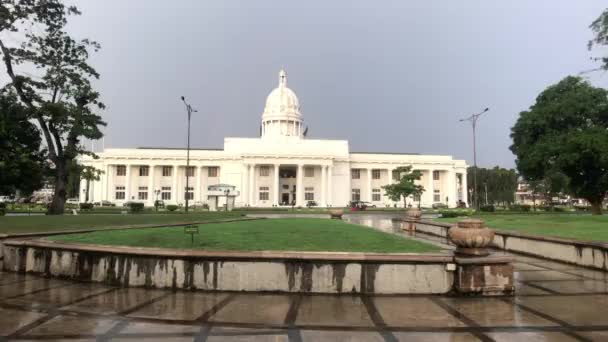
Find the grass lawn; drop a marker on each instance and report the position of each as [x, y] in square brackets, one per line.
[580, 227]
[42, 223]
[292, 234]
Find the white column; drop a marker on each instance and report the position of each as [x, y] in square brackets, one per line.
[151, 194]
[323, 185]
[369, 185]
[105, 184]
[197, 184]
[431, 190]
[251, 185]
[329, 185]
[465, 190]
[128, 183]
[452, 198]
[174, 184]
[276, 185]
[299, 189]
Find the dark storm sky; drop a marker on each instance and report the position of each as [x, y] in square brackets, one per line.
[392, 76]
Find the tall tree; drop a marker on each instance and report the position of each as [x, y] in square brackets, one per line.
[60, 97]
[497, 184]
[565, 132]
[21, 159]
[406, 186]
[600, 38]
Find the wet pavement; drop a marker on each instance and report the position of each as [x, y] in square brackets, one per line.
[554, 302]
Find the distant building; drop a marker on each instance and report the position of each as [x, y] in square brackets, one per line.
[280, 168]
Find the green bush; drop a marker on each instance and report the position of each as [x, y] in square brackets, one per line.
[487, 208]
[2, 209]
[454, 213]
[581, 208]
[136, 207]
[171, 207]
[86, 206]
[439, 205]
[520, 207]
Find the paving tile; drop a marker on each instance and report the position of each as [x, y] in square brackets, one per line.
[180, 306]
[71, 326]
[333, 311]
[435, 337]
[116, 301]
[590, 274]
[540, 336]
[595, 335]
[525, 290]
[254, 337]
[13, 320]
[152, 339]
[340, 336]
[495, 312]
[543, 275]
[11, 290]
[406, 312]
[575, 310]
[258, 309]
[11, 278]
[158, 328]
[575, 286]
[59, 296]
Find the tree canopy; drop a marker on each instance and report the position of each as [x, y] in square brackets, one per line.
[21, 159]
[600, 38]
[565, 132]
[406, 186]
[59, 95]
[500, 184]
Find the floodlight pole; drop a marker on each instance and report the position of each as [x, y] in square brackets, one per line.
[473, 120]
[189, 109]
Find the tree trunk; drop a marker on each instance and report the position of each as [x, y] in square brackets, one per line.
[61, 183]
[596, 207]
[86, 196]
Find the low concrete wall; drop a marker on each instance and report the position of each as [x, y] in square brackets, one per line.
[234, 271]
[588, 254]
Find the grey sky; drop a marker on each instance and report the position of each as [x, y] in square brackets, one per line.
[391, 76]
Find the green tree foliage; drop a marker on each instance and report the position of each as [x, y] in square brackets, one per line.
[21, 159]
[565, 132]
[500, 183]
[600, 38]
[406, 186]
[59, 96]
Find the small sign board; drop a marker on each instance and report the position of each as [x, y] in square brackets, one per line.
[191, 229]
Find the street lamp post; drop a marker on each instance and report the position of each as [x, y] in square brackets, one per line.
[473, 120]
[190, 110]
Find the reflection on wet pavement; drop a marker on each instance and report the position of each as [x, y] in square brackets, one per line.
[554, 302]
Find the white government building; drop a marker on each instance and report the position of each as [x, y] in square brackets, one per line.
[277, 168]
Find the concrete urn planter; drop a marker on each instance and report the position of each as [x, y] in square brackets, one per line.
[336, 214]
[471, 237]
[413, 213]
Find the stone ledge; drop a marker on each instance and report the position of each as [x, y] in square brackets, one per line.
[491, 259]
[237, 255]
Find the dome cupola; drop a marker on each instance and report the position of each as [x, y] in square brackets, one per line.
[281, 115]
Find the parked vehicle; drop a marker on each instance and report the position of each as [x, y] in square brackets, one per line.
[73, 200]
[357, 205]
[5, 199]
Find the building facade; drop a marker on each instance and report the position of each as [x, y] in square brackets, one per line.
[280, 168]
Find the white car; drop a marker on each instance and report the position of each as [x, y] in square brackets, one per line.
[5, 199]
[72, 201]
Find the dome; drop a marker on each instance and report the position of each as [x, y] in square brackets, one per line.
[282, 103]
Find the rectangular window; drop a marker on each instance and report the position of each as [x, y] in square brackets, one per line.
[212, 171]
[121, 170]
[396, 175]
[375, 174]
[120, 193]
[189, 192]
[264, 193]
[165, 193]
[144, 171]
[356, 195]
[355, 174]
[435, 175]
[309, 194]
[309, 172]
[190, 171]
[417, 198]
[437, 196]
[142, 193]
[376, 195]
[167, 171]
[264, 171]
